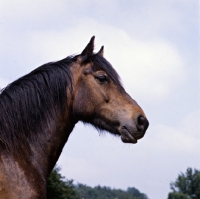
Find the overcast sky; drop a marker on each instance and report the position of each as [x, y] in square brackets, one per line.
[154, 46]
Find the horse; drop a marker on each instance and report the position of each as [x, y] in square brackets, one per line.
[39, 111]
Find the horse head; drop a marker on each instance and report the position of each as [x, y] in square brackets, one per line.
[100, 99]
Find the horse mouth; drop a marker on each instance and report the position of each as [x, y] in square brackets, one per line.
[126, 136]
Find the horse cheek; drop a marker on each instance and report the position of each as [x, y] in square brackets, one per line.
[82, 105]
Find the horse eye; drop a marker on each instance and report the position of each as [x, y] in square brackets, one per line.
[101, 78]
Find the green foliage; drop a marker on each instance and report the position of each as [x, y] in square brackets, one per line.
[175, 195]
[186, 186]
[136, 193]
[99, 192]
[58, 187]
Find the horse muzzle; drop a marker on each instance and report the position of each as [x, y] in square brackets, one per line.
[135, 131]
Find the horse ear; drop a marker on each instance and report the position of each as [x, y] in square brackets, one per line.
[101, 51]
[89, 48]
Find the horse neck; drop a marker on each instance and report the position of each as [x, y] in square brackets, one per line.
[24, 170]
[33, 165]
[46, 155]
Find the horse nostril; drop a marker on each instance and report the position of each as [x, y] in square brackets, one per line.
[141, 120]
[142, 123]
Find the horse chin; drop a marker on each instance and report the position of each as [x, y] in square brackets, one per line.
[126, 137]
[123, 131]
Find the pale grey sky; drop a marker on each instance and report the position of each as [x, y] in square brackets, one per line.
[154, 46]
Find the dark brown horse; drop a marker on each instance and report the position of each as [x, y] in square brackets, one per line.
[39, 111]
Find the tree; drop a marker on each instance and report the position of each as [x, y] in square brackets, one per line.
[174, 195]
[58, 187]
[136, 193]
[104, 192]
[186, 186]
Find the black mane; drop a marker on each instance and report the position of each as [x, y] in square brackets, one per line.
[29, 104]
